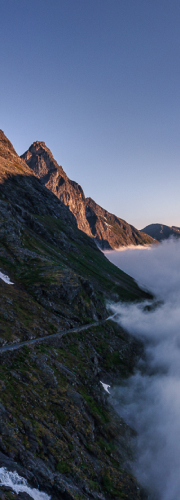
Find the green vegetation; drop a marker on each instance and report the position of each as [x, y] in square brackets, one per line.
[63, 467]
[96, 409]
[109, 488]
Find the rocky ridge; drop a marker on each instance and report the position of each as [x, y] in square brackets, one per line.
[108, 230]
[161, 231]
[57, 427]
[40, 159]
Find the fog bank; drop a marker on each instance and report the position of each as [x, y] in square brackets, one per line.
[150, 401]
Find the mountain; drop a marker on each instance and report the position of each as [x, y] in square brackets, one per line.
[108, 230]
[58, 429]
[161, 232]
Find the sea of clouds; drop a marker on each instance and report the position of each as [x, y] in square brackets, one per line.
[150, 400]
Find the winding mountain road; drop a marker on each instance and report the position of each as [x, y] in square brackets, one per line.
[13, 347]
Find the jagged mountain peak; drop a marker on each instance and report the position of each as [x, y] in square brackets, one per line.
[37, 151]
[39, 143]
[108, 230]
[40, 159]
[40, 146]
[6, 148]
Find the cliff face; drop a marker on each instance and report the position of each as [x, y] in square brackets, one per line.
[108, 230]
[40, 159]
[161, 231]
[6, 148]
[58, 429]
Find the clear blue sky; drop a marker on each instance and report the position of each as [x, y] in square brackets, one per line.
[99, 82]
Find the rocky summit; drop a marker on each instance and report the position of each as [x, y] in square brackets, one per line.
[58, 429]
[108, 230]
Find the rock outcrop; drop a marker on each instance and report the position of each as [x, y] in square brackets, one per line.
[108, 230]
[111, 231]
[40, 159]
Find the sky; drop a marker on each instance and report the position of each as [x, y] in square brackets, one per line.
[99, 82]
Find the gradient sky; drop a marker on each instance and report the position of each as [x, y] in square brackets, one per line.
[99, 82]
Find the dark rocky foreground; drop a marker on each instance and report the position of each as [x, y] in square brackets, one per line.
[108, 230]
[56, 425]
[57, 428]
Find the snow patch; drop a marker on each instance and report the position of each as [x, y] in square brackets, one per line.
[110, 225]
[6, 278]
[105, 386]
[18, 483]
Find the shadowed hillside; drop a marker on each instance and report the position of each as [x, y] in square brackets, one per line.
[57, 427]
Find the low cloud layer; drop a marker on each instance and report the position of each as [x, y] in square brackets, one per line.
[150, 401]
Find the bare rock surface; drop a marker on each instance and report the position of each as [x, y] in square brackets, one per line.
[108, 230]
[40, 159]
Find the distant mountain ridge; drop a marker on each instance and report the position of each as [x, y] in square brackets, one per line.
[161, 231]
[108, 230]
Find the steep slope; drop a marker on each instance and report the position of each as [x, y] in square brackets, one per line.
[110, 231]
[57, 428]
[107, 229]
[161, 232]
[40, 159]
